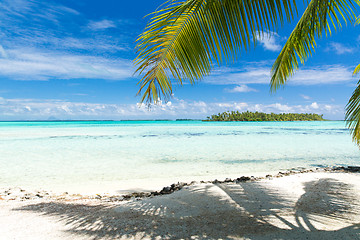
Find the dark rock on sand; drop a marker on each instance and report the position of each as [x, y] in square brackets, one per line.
[243, 179]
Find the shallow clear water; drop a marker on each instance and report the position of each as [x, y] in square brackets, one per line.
[74, 153]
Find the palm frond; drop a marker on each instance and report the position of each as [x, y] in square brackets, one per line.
[319, 18]
[356, 70]
[358, 20]
[353, 114]
[182, 39]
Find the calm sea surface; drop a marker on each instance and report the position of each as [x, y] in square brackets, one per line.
[49, 154]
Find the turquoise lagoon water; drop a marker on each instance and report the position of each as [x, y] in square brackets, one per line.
[47, 154]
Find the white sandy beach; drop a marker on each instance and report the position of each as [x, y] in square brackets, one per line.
[321, 205]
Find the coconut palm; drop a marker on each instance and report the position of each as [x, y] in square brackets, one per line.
[353, 111]
[185, 38]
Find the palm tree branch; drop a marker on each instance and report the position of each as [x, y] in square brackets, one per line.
[353, 115]
[356, 70]
[316, 20]
[184, 37]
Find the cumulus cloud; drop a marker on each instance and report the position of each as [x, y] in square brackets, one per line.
[314, 105]
[269, 41]
[241, 89]
[33, 109]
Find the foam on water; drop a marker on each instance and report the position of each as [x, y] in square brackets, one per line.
[68, 154]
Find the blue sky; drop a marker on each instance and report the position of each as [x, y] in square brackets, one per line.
[73, 60]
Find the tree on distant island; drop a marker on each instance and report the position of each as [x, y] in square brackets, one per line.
[184, 38]
[260, 117]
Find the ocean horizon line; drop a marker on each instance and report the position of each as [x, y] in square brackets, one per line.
[149, 120]
[107, 120]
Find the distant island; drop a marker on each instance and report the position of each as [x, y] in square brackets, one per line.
[259, 116]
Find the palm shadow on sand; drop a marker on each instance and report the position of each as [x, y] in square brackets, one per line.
[249, 210]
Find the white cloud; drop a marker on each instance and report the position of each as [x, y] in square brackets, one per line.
[254, 74]
[314, 105]
[33, 109]
[269, 41]
[339, 48]
[92, 44]
[46, 25]
[328, 107]
[2, 100]
[323, 75]
[305, 97]
[33, 10]
[280, 107]
[101, 25]
[241, 89]
[32, 64]
[3, 53]
[36, 44]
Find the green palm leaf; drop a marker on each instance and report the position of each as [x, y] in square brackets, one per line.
[353, 115]
[319, 18]
[182, 39]
[357, 70]
[358, 20]
[353, 112]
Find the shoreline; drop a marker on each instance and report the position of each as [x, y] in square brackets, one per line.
[312, 204]
[9, 194]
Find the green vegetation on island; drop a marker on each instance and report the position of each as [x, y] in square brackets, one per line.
[259, 116]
